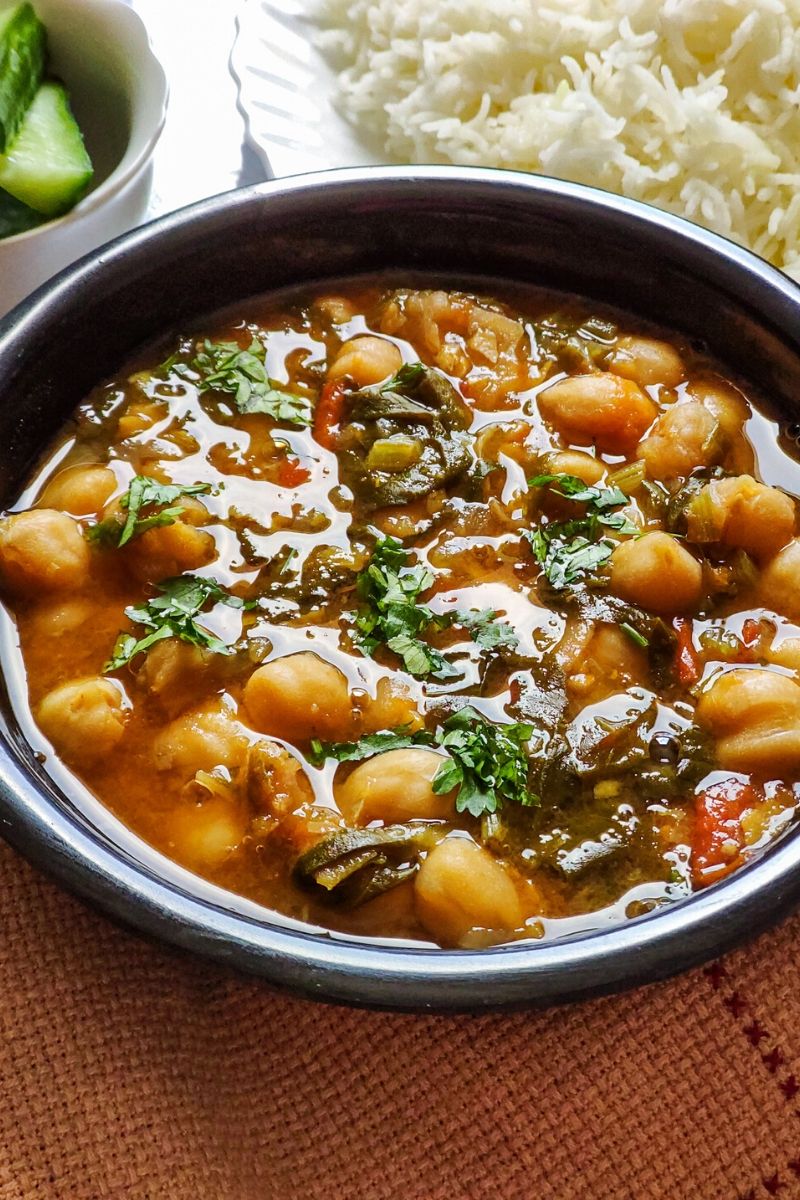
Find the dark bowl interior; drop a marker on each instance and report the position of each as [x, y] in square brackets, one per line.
[470, 223]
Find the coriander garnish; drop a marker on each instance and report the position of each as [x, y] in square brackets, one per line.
[173, 615]
[407, 377]
[391, 615]
[486, 762]
[568, 550]
[226, 367]
[144, 493]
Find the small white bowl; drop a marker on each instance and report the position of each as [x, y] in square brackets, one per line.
[118, 91]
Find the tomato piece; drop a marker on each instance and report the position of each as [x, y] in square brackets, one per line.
[749, 642]
[687, 660]
[328, 414]
[291, 474]
[718, 836]
[751, 631]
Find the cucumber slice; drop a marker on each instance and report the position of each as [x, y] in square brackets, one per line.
[47, 166]
[22, 50]
[16, 217]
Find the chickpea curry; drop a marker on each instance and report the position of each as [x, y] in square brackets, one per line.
[422, 614]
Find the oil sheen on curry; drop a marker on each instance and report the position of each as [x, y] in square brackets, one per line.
[423, 614]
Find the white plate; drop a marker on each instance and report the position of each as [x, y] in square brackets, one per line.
[286, 90]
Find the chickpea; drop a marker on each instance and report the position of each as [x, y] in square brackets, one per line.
[298, 697]
[647, 361]
[174, 673]
[729, 409]
[755, 717]
[600, 408]
[42, 551]
[574, 462]
[656, 572]
[394, 786]
[682, 438]
[194, 511]
[205, 834]
[84, 720]
[81, 491]
[785, 653]
[779, 585]
[200, 741]
[571, 649]
[336, 309]
[504, 437]
[307, 825]
[746, 514]
[63, 617]
[611, 662]
[393, 706]
[460, 887]
[727, 406]
[614, 653]
[169, 550]
[277, 785]
[141, 416]
[366, 360]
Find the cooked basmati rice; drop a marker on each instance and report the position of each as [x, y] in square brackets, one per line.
[691, 105]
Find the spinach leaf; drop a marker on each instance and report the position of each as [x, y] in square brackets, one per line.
[420, 405]
[575, 343]
[355, 865]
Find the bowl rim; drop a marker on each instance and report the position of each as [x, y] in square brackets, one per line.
[333, 967]
[152, 74]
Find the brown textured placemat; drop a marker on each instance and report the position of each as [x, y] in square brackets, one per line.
[130, 1070]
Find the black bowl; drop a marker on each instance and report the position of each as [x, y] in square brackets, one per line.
[471, 223]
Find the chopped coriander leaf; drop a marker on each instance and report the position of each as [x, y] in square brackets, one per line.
[144, 493]
[290, 555]
[226, 367]
[485, 630]
[634, 635]
[173, 615]
[409, 375]
[419, 659]
[486, 764]
[391, 615]
[598, 499]
[566, 562]
[568, 550]
[104, 533]
[367, 746]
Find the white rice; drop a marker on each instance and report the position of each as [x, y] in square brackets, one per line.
[691, 105]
